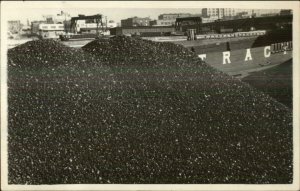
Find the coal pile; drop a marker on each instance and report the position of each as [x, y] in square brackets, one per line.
[144, 120]
[47, 54]
[126, 51]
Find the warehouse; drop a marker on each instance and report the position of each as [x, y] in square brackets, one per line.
[143, 31]
[229, 26]
[51, 30]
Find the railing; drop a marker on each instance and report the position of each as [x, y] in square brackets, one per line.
[232, 35]
[281, 47]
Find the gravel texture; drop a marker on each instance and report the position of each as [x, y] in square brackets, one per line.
[141, 112]
[47, 54]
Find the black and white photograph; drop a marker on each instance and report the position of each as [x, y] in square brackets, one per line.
[149, 95]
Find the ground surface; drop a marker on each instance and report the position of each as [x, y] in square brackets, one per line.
[276, 82]
[153, 114]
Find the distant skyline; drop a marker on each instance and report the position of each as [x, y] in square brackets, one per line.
[115, 14]
[111, 13]
[116, 10]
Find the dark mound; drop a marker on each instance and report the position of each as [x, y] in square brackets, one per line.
[176, 121]
[47, 54]
[276, 82]
[126, 51]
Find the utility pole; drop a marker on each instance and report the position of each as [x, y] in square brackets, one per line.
[105, 23]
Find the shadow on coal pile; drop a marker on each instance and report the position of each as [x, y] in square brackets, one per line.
[276, 82]
[144, 112]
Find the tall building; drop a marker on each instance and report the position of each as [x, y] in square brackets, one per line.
[135, 21]
[219, 13]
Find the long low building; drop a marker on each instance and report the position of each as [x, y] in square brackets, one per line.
[237, 25]
[143, 30]
[51, 30]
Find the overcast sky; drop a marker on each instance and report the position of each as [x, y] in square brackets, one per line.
[115, 14]
[35, 10]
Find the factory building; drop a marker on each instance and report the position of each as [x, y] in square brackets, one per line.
[52, 25]
[145, 31]
[172, 16]
[169, 19]
[86, 26]
[209, 19]
[135, 21]
[89, 24]
[51, 30]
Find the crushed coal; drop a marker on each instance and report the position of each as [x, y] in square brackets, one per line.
[47, 54]
[143, 120]
[126, 51]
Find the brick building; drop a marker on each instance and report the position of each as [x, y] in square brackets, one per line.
[169, 19]
[135, 21]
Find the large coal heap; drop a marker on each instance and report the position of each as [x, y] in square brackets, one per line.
[47, 54]
[122, 50]
[160, 117]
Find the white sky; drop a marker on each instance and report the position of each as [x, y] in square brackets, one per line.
[113, 10]
[115, 14]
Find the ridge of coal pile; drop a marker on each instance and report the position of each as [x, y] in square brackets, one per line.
[47, 53]
[158, 116]
[127, 51]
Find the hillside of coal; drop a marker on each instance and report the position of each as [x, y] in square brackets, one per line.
[119, 52]
[140, 113]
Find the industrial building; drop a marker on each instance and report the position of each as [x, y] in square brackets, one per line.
[182, 24]
[51, 30]
[173, 16]
[229, 26]
[169, 19]
[143, 31]
[135, 21]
